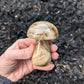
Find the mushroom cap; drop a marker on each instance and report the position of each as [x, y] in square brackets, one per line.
[42, 30]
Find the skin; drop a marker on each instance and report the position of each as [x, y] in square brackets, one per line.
[16, 62]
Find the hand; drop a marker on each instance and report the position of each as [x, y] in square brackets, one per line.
[16, 62]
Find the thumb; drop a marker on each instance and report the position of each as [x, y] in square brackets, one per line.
[27, 53]
[23, 53]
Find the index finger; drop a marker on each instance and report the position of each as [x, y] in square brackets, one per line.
[23, 43]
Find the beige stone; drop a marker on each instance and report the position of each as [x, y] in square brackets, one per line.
[42, 31]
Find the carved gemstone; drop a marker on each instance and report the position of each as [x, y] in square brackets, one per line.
[42, 31]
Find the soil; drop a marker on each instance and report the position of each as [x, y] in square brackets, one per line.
[68, 16]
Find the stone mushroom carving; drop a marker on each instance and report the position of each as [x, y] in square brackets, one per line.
[42, 31]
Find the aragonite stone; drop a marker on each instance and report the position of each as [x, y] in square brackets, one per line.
[42, 31]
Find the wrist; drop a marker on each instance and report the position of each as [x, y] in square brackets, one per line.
[12, 78]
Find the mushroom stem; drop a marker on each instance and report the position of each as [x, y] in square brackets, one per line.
[41, 55]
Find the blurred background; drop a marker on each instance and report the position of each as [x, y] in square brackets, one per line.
[68, 16]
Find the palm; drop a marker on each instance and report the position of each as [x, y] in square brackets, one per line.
[23, 68]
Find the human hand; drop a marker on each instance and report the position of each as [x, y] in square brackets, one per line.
[16, 62]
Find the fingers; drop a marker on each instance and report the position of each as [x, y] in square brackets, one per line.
[22, 54]
[53, 48]
[23, 43]
[46, 68]
[54, 56]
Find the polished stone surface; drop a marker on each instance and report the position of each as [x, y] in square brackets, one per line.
[41, 55]
[42, 30]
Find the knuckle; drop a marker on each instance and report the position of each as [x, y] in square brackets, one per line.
[19, 40]
[24, 54]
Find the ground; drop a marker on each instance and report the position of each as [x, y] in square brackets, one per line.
[68, 16]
